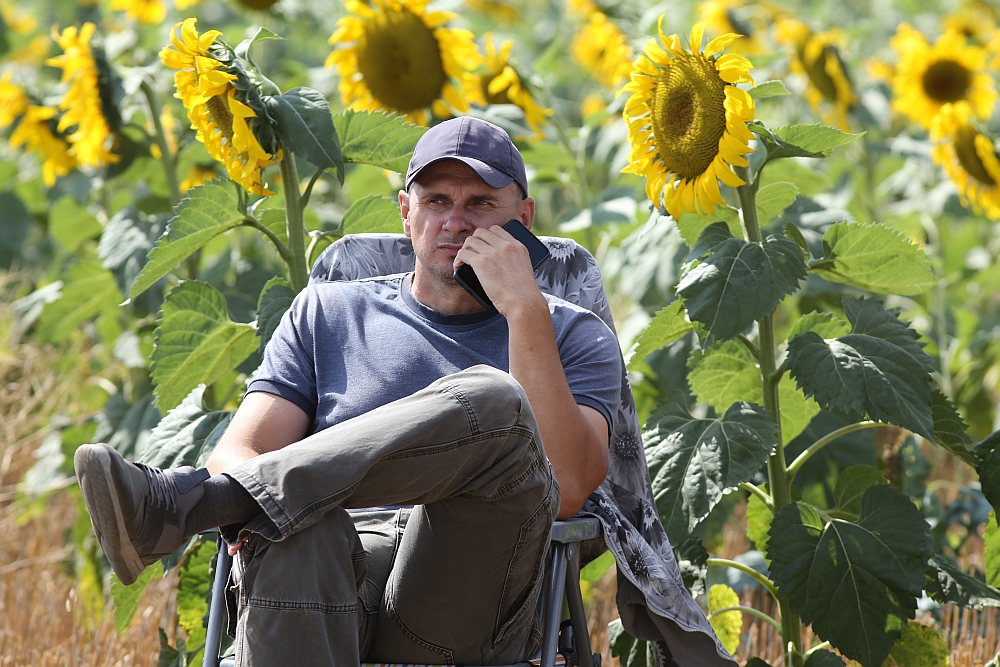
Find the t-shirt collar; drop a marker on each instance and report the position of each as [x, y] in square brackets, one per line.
[461, 319]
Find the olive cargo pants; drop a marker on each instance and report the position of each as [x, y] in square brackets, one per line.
[455, 579]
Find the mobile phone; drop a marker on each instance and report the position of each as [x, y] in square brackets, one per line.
[466, 276]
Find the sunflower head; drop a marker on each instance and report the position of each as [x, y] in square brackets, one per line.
[397, 56]
[223, 104]
[725, 16]
[687, 120]
[928, 77]
[970, 159]
[503, 85]
[603, 50]
[149, 12]
[817, 56]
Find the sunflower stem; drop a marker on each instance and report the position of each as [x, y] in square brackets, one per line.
[298, 268]
[579, 161]
[748, 610]
[778, 478]
[166, 157]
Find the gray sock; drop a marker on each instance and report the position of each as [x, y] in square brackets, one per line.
[225, 502]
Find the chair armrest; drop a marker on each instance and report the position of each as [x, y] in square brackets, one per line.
[576, 529]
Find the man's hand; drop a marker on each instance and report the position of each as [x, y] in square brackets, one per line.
[503, 266]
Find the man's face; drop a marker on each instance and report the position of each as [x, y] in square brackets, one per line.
[445, 205]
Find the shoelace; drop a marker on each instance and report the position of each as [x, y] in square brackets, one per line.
[161, 488]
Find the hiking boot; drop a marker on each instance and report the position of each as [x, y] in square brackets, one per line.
[138, 512]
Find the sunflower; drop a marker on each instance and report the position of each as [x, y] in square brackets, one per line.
[581, 7]
[603, 50]
[206, 81]
[502, 85]
[977, 21]
[198, 175]
[397, 56]
[929, 77]
[687, 120]
[20, 23]
[816, 56]
[724, 16]
[87, 104]
[143, 11]
[34, 130]
[969, 158]
[498, 10]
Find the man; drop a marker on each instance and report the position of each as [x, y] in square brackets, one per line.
[398, 391]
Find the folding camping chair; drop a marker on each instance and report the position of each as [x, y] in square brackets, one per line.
[571, 274]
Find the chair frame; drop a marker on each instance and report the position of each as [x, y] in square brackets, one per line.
[571, 638]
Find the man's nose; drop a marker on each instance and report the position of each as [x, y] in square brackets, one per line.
[458, 220]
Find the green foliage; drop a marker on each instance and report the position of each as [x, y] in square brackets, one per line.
[758, 522]
[991, 554]
[15, 225]
[947, 583]
[729, 624]
[694, 462]
[730, 282]
[127, 597]
[208, 210]
[275, 299]
[920, 646]
[879, 369]
[71, 224]
[668, 325]
[874, 257]
[987, 455]
[377, 138]
[767, 89]
[826, 325]
[305, 127]
[950, 430]
[851, 486]
[196, 342]
[807, 140]
[691, 225]
[773, 199]
[193, 588]
[187, 435]
[856, 583]
[823, 658]
[89, 291]
[372, 213]
[631, 652]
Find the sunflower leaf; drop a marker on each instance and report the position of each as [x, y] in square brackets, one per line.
[947, 583]
[377, 138]
[807, 140]
[667, 325]
[185, 434]
[71, 224]
[693, 461]
[88, 291]
[826, 325]
[856, 583]
[822, 658]
[991, 550]
[768, 89]
[206, 212]
[730, 283]
[950, 430]
[691, 225]
[306, 128]
[262, 34]
[196, 342]
[193, 587]
[878, 369]
[988, 466]
[275, 299]
[874, 257]
[372, 213]
[127, 598]
[773, 199]
[852, 482]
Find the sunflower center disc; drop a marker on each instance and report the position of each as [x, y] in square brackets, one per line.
[400, 60]
[946, 81]
[689, 116]
[965, 151]
[219, 108]
[820, 77]
[500, 98]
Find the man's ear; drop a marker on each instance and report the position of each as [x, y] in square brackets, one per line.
[404, 210]
[526, 211]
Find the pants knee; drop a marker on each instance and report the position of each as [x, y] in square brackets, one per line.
[490, 389]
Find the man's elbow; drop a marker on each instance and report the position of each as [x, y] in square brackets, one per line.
[574, 494]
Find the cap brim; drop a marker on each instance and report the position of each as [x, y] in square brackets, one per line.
[492, 176]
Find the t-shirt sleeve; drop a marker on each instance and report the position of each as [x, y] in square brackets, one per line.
[289, 368]
[591, 360]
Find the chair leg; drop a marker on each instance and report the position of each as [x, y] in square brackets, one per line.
[577, 614]
[553, 605]
[217, 612]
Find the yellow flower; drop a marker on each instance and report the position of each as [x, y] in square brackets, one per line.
[687, 120]
[502, 85]
[169, 126]
[397, 56]
[143, 11]
[969, 158]
[581, 7]
[603, 50]
[977, 21]
[34, 130]
[216, 109]
[184, 4]
[724, 16]
[20, 23]
[592, 104]
[85, 105]
[198, 175]
[929, 77]
[500, 10]
[816, 56]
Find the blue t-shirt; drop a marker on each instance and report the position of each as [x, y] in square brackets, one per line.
[345, 348]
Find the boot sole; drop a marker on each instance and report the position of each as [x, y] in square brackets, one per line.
[93, 471]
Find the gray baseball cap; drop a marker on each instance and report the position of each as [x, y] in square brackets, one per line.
[483, 146]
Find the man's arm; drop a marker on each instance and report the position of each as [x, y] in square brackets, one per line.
[575, 436]
[263, 423]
